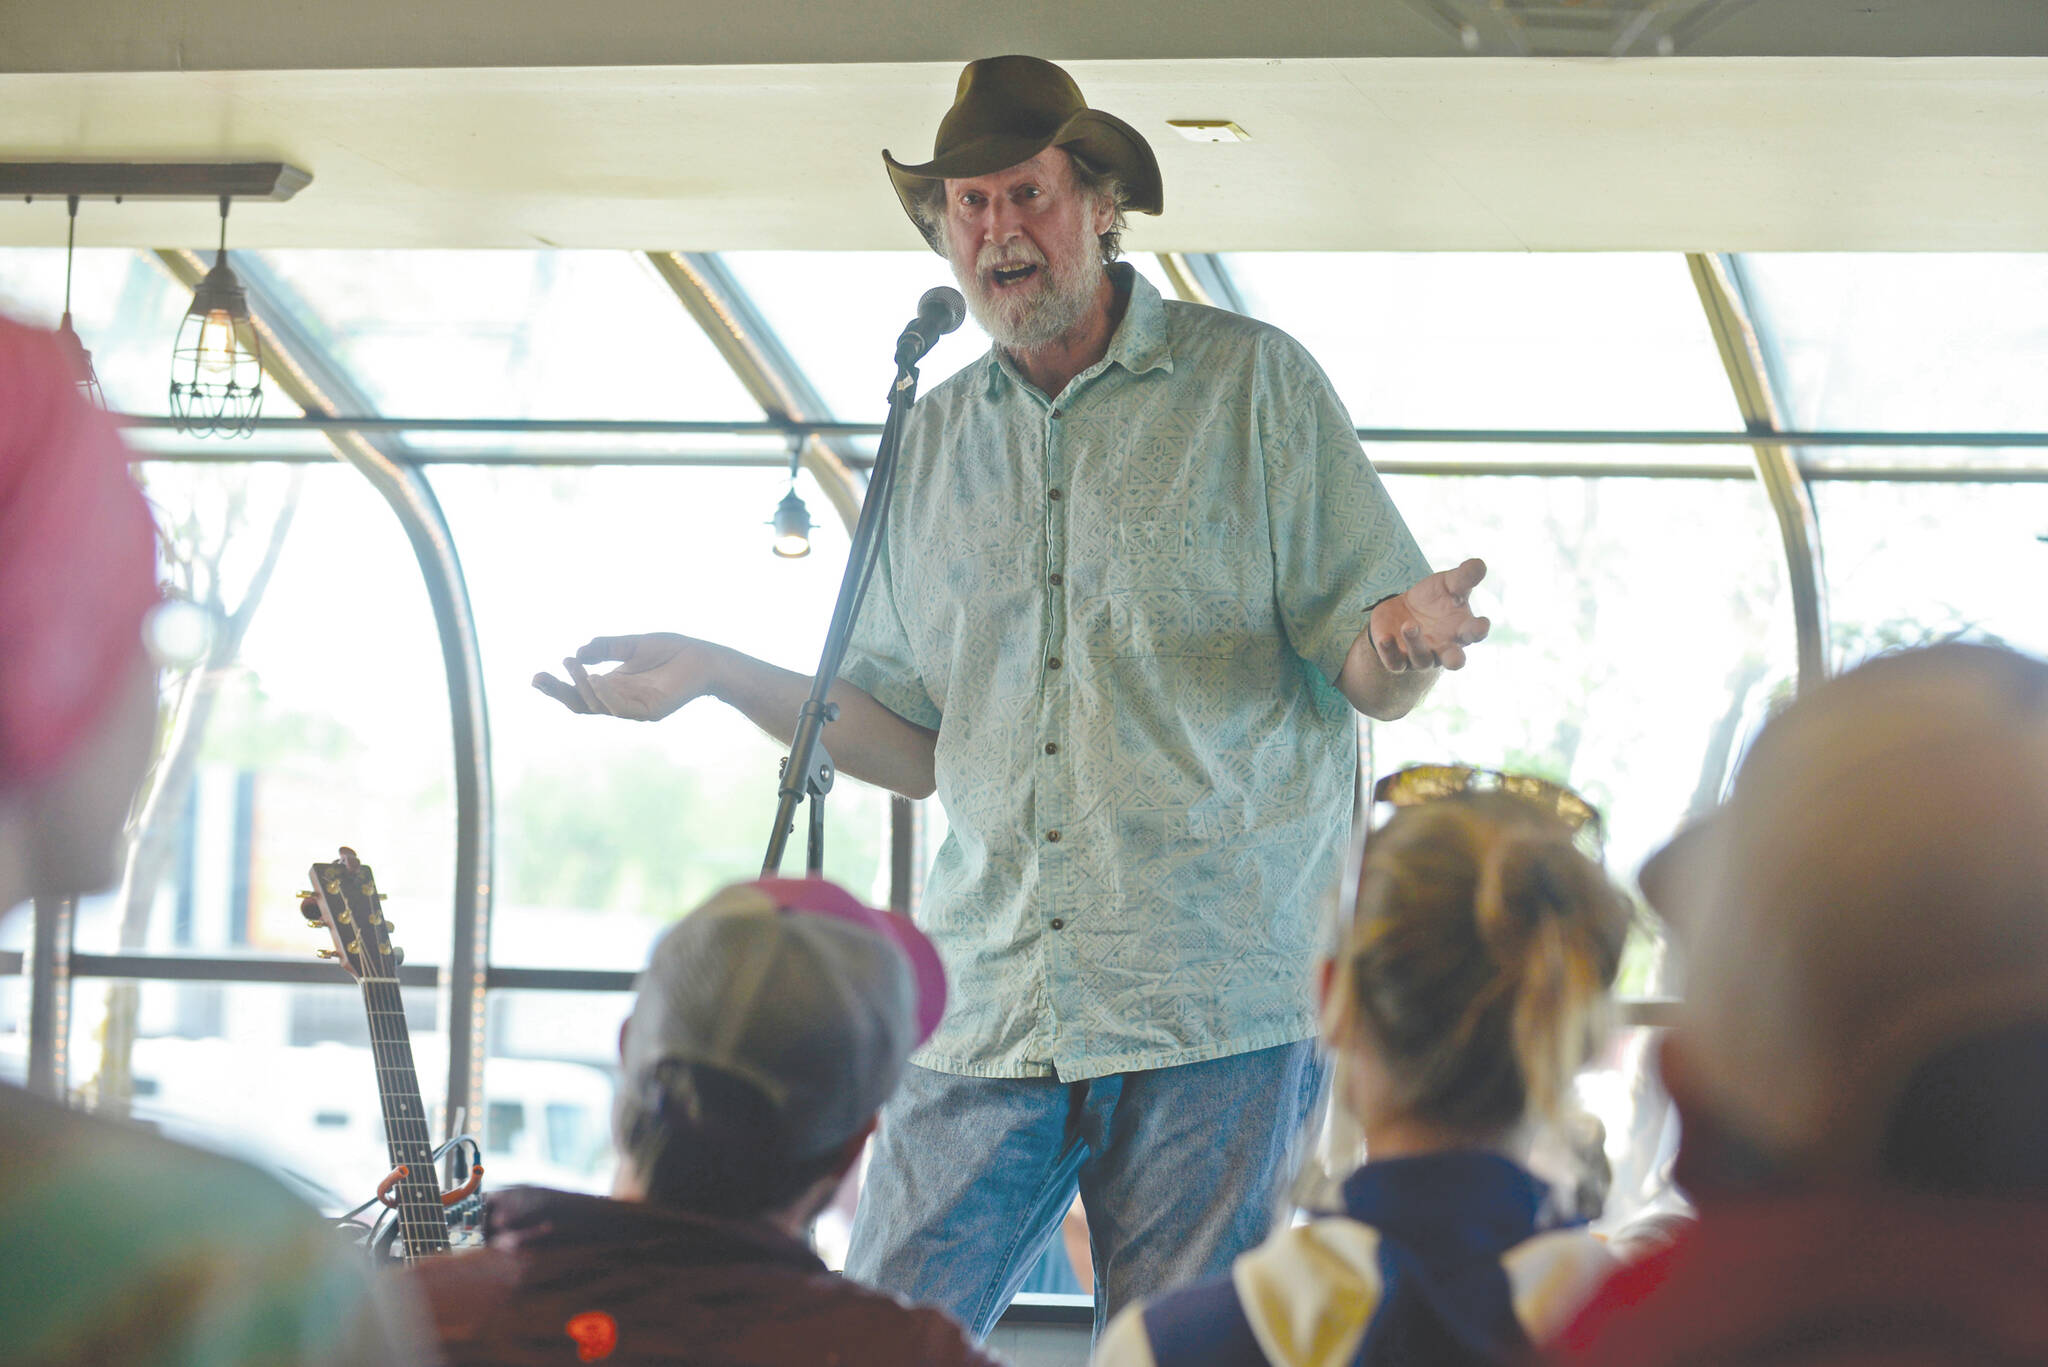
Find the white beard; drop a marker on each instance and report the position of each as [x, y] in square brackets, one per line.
[1059, 298]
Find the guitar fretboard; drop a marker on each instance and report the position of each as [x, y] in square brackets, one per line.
[420, 1219]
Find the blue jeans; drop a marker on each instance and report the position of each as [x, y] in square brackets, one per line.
[1180, 1170]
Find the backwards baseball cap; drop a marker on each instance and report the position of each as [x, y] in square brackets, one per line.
[795, 987]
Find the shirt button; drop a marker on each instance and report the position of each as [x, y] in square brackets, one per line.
[1053, 494]
[1052, 747]
[1053, 836]
[1059, 923]
[1053, 663]
[1055, 580]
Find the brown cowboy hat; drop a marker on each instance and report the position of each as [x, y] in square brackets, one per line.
[1008, 110]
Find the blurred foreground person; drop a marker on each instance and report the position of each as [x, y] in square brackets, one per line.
[771, 1025]
[1470, 990]
[1861, 1061]
[117, 1247]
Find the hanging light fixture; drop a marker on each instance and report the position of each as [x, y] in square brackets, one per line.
[792, 521]
[792, 527]
[81, 359]
[217, 363]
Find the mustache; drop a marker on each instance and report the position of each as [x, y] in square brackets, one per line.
[992, 257]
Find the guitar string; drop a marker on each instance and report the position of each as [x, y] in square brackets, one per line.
[420, 1214]
[428, 1227]
[419, 1198]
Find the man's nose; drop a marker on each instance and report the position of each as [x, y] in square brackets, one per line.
[1003, 222]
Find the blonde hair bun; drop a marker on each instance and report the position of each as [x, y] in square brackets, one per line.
[1480, 958]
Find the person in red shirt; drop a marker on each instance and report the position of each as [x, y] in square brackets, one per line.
[770, 1025]
[1859, 1062]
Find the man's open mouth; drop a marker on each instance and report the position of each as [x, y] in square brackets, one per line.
[1012, 275]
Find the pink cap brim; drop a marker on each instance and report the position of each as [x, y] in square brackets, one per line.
[823, 898]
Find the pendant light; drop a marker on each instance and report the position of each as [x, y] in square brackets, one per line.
[792, 527]
[217, 363]
[74, 345]
[792, 520]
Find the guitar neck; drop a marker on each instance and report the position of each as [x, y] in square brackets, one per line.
[406, 1132]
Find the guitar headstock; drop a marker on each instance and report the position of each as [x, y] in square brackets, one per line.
[344, 899]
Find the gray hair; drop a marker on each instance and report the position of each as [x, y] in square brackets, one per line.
[930, 205]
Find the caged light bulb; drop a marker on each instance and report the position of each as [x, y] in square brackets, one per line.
[217, 343]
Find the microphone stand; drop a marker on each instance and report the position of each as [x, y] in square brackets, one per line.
[808, 771]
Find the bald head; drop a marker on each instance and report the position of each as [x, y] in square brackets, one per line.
[1875, 889]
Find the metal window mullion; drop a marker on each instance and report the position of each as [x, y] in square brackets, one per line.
[764, 367]
[300, 366]
[53, 922]
[1777, 467]
[1202, 278]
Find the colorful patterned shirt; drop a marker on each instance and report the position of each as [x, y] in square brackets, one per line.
[1123, 610]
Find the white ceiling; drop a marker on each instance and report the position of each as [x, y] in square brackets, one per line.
[1359, 153]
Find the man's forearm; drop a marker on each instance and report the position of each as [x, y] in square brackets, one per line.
[868, 741]
[1374, 689]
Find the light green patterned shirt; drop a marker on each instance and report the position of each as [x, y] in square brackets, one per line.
[1123, 611]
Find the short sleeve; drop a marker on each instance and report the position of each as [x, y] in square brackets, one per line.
[879, 659]
[1339, 544]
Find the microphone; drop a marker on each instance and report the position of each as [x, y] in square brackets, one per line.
[939, 311]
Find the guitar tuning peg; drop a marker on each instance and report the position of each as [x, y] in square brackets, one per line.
[309, 908]
[304, 896]
[390, 927]
[398, 956]
[329, 954]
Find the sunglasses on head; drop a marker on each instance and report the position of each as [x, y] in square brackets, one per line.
[1420, 783]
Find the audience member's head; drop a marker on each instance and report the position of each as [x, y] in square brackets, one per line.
[771, 1024]
[77, 576]
[1474, 980]
[1866, 927]
[119, 1247]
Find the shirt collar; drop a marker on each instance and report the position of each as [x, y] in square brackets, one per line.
[1470, 1201]
[526, 1218]
[1140, 342]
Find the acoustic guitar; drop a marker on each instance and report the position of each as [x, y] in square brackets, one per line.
[344, 900]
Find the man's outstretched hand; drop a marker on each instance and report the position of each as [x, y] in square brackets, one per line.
[1430, 624]
[658, 672]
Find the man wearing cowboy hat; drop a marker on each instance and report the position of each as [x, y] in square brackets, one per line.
[1137, 576]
